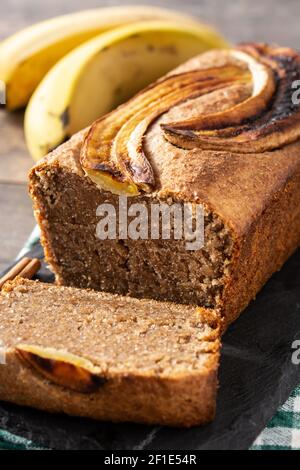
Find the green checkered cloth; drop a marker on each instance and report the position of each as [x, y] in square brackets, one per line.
[9, 441]
[281, 433]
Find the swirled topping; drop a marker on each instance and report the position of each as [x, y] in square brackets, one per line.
[113, 156]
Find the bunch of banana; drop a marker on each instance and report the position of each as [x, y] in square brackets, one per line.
[78, 67]
[28, 55]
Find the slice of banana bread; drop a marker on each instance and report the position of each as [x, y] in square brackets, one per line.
[107, 357]
[243, 168]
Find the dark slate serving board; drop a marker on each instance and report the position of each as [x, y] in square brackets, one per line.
[256, 377]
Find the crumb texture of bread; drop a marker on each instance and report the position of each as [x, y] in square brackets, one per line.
[158, 361]
[159, 269]
[252, 216]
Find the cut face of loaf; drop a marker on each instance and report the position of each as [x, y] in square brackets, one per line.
[248, 186]
[159, 269]
[107, 357]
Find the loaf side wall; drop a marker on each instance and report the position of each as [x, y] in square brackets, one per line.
[270, 241]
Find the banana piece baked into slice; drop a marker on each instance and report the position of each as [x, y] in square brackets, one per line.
[107, 357]
[222, 132]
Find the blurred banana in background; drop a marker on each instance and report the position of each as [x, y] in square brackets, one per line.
[75, 68]
[104, 72]
[27, 56]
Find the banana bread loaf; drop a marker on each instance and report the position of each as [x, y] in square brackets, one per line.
[107, 357]
[221, 131]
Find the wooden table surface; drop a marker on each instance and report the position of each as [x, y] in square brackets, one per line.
[239, 20]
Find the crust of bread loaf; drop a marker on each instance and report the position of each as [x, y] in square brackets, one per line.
[180, 401]
[256, 195]
[267, 244]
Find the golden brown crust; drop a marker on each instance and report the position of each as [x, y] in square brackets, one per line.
[113, 148]
[188, 401]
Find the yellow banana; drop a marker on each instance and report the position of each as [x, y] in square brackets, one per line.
[27, 56]
[102, 73]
